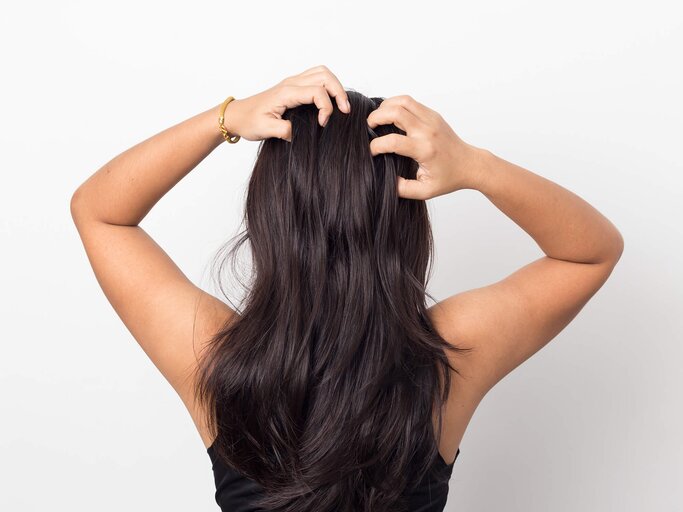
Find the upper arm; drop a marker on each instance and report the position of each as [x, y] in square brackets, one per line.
[506, 322]
[166, 313]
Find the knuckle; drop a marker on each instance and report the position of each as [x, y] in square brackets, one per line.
[428, 149]
[435, 117]
[406, 99]
[319, 77]
[391, 111]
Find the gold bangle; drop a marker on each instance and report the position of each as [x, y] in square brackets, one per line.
[230, 138]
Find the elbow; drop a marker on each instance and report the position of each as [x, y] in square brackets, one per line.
[76, 205]
[617, 247]
[619, 243]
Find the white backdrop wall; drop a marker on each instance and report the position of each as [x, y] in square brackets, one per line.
[587, 94]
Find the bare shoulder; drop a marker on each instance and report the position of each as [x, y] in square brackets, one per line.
[508, 321]
[504, 324]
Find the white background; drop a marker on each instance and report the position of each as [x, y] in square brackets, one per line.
[587, 94]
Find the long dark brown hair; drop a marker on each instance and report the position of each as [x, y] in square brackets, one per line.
[324, 388]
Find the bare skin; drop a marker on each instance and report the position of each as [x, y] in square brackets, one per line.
[505, 322]
[508, 321]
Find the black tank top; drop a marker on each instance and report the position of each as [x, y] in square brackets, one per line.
[236, 493]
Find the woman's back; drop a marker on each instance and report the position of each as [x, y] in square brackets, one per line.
[236, 493]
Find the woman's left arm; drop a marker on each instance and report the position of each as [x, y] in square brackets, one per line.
[166, 313]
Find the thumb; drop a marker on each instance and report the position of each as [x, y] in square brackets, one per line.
[280, 128]
[411, 189]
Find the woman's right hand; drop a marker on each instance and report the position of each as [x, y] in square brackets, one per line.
[446, 162]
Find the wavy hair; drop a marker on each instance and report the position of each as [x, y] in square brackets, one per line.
[324, 387]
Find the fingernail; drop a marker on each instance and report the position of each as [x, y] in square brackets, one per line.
[347, 105]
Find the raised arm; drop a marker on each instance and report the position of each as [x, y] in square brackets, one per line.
[168, 315]
[508, 321]
[150, 294]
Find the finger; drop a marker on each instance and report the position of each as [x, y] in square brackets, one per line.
[335, 89]
[415, 107]
[314, 69]
[412, 189]
[305, 95]
[394, 143]
[280, 128]
[322, 76]
[393, 114]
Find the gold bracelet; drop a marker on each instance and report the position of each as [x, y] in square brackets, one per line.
[230, 138]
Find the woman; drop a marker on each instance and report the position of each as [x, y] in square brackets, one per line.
[336, 388]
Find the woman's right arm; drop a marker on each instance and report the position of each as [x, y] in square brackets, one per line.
[508, 321]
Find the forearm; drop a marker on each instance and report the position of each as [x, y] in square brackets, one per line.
[564, 226]
[126, 188]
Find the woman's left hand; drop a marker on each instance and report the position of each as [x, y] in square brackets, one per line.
[260, 116]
